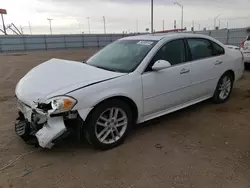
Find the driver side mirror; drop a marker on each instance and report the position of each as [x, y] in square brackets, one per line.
[160, 64]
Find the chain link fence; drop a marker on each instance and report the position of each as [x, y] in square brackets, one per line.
[226, 36]
[14, 43]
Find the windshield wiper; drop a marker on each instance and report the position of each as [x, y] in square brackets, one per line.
[108, 69]
[104, 68]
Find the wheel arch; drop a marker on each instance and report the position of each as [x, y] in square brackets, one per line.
[85, 114]
[216, 97]
[230, 71]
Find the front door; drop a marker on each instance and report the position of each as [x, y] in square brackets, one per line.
[167, 88]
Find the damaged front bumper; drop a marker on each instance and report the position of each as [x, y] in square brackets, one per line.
[39, 129]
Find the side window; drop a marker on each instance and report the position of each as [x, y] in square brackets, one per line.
[173, 52]
[217, 49]
[200, 48]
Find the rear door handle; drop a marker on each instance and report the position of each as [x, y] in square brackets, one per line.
[184, 71]
[218, 62]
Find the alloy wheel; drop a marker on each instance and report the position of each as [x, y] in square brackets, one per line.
[225, 87]
[111, 125]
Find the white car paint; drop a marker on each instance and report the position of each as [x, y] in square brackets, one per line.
[154, 93]
[233, 47]
[159, 88]
[62, 76]
[51, 130]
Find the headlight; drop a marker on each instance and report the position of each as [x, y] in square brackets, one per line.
[58, 104]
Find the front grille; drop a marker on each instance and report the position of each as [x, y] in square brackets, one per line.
[20, 128]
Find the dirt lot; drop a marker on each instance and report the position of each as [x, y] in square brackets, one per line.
[204, 146]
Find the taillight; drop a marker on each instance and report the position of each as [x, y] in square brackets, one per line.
[243, 44]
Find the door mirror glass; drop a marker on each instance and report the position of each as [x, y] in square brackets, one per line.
[161, 64]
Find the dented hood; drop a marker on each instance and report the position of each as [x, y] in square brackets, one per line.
[58, 77]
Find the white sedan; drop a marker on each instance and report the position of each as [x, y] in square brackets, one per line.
[245, 48]
[130, 81]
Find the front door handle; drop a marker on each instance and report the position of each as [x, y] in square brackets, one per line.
[184, 71]
[218, 62]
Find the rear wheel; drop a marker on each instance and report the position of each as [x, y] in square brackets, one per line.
[108, 125]
[224, 88]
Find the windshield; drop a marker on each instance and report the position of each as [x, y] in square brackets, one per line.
[122, 55]
[248, 38]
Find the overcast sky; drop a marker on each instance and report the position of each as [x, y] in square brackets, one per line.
[70, 16]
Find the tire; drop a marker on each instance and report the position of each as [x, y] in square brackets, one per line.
[247, 66]
[99, 121]
[225, 80]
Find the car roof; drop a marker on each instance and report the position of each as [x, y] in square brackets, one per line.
[157, 37]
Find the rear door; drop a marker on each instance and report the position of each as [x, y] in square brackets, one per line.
[207, 66]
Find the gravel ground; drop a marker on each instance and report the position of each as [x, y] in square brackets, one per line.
[203, 146]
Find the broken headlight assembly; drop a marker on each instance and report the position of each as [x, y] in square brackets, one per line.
[58, 104]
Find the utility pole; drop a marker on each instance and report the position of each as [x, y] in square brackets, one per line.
[182, 16]
[219, 23]
[163, 25]
[136, 26]
[193, 24]
[227, 24]
[199, 27]
[104, 24]
[152, 16]
[30, 28]
[4, 29]
[49, 19]
[80, 28]
[215, 20]
[88, 24]
[174, 24]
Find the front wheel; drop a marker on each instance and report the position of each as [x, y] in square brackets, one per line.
[224, 88]
[108, 124]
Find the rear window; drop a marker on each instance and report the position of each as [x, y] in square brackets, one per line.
[200, 48]
[217, 49]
